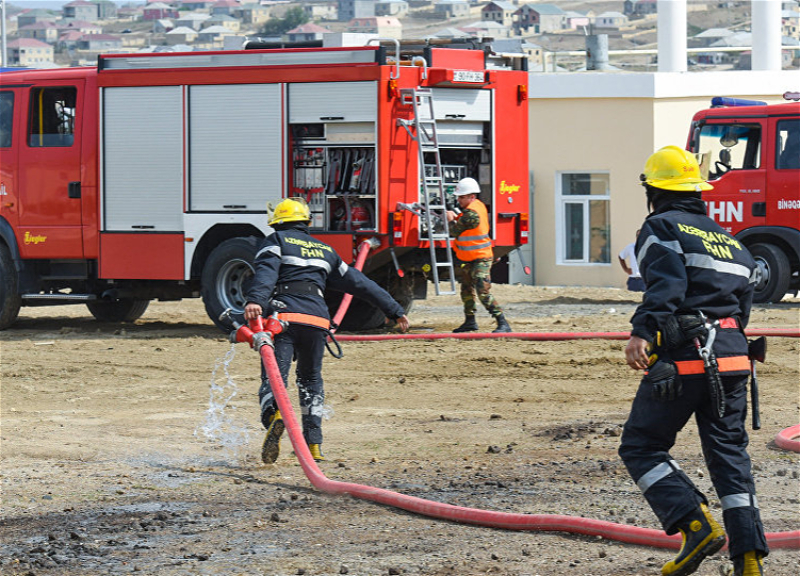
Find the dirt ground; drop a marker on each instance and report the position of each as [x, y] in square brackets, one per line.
[113, 463]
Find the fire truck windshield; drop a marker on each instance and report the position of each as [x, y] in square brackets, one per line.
[725, 147]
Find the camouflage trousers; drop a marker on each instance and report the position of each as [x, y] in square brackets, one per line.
[476, 278]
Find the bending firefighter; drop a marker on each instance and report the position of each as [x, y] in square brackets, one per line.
[292, 271]
[688, 337]
[473, 247]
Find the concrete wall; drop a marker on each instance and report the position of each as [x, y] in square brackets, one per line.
[611, 122]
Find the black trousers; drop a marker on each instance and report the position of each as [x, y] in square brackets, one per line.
[650, 433]
[307, 345]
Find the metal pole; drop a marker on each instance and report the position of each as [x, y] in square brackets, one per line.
[3, 47]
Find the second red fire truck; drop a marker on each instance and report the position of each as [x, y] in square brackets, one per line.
[148, 177]
[751, 153]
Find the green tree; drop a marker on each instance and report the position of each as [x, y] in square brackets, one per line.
[293, 18]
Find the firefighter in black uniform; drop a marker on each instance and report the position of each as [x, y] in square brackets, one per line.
[292, 271]
[688, 336]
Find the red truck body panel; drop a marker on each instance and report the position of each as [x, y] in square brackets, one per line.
[70, 198]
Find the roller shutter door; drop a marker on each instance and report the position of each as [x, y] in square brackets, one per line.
[143, 158]
[235, 147]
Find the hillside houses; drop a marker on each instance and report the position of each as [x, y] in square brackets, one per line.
[202, 24]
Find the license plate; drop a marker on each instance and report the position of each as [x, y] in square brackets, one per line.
[467, 76]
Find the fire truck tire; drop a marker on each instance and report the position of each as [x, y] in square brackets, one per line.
[122, 310]
[226, 273]
[10, 301]
[774, 270]
[362, 315]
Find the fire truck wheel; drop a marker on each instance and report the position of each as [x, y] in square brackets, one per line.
[362, 315]
[226, 272]
[9, 298]
[122, 310]
[773, 273]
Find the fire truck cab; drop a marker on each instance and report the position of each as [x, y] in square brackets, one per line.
[150, 176]
[750, 153]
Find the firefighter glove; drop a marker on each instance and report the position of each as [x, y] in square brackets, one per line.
[680, 330]
[665, 381]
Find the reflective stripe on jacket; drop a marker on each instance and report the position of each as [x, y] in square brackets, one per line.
[475, 243]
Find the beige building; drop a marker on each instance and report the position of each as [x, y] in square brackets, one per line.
[384, 26]
[590, 135]
[29, 52]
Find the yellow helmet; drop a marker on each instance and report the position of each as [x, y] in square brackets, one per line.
[673, 168]
[290, 210]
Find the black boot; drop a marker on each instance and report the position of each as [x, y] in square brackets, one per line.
[469, 325]
[702, 537]
[502, 325]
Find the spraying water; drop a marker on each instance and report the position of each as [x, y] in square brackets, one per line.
[221, 424]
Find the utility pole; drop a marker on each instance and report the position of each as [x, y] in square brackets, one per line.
[3, 47]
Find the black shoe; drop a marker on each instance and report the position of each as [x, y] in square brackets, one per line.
[469, 325]
[702, 537]
[271, 448]
[502, 325]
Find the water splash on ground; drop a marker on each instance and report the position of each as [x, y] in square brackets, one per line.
[221, 424]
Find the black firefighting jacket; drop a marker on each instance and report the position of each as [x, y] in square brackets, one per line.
[295, 268]
[690, 265]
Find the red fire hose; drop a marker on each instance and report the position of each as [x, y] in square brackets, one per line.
[475, 516]
[541, 336]
[787, 438]
[363, 250]
[505, 520]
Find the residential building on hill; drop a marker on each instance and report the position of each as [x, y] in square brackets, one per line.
[499, 11]
[80, 10]
[34, 16]
[252, 13]
[106, 9]
[99, 42]
[193, 20]
[396, 8]
[180, 35]
[158, 10]
[306, 33]
[640, 7]
[545, 18]
[29, 52]
[610, 20]
[321, 10]
[384, 26]
[452, 8]
[44, 31]
[349, 9]
[229, 22]
[225, 7]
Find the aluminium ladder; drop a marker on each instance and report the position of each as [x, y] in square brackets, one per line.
[433, 213]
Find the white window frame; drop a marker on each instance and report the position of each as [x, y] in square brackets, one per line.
[561, 201]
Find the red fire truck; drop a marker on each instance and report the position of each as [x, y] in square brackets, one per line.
[148, 177]
[751, 154]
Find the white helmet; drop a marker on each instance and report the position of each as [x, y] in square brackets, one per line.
[467, 186]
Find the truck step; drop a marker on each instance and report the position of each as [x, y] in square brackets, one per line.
[60, 297]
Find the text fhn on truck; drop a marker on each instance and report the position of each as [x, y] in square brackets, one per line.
[148, 177]
[750, 152]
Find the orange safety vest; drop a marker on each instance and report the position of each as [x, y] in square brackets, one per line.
[475, 244]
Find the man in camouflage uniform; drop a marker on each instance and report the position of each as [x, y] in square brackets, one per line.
[473, 247]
